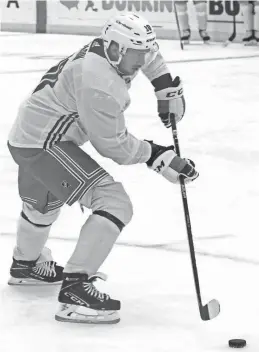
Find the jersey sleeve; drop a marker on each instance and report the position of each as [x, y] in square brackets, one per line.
[104, 123]
[156, 68]
[158, 73]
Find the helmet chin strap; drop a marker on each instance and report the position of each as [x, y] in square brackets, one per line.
[115, 64]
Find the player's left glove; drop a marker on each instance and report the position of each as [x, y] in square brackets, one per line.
[171, 100]
[164, 161]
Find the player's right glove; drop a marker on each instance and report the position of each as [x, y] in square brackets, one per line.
[164, 161]
[171, 100]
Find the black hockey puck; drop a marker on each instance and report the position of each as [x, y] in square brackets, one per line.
[237, 343]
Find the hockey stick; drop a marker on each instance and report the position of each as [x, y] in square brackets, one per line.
[178, 26]
[234, 33]
[211, 309]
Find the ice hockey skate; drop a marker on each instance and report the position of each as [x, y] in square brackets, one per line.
[249, 38]
[204, 36]
[185, 37]
[43, 271]
[81, 302]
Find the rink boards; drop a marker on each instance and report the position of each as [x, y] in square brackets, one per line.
[88, 17]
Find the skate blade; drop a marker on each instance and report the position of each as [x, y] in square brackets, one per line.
[77, 314]
[13, 281]
[251, 43]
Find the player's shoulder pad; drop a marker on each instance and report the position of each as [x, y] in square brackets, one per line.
[105, 84]
[103, 102]
[96, 47]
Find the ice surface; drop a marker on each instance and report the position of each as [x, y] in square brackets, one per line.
[149, 269]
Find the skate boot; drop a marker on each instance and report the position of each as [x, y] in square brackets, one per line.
[186, 34]
[81, 302]
[43, 271]
[249, 38]
[204, 35]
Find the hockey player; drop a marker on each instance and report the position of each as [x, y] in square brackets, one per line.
[250, 12]
[82, 99]
[201, 13]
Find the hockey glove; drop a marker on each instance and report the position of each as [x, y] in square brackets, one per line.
[164, 161]
[171, 100]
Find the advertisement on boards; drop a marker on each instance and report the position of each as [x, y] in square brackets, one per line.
[18, 15]
[87, 17]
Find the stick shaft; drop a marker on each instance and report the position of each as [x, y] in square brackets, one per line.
[178, 26]
[187, 216]
[234, 33]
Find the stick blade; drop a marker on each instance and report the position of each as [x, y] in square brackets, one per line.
[210, 310]
[226, 43]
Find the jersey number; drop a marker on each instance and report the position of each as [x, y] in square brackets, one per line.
[148, 29]
[51, 77]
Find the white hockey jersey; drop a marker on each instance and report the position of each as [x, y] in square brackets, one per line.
[81, 99]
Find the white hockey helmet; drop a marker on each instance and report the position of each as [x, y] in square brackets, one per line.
[129, 31]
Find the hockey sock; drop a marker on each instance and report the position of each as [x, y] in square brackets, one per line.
[256, 19]
[247, 11]
[95, 242]
[201, 13]
[30, 240]
[182, 11]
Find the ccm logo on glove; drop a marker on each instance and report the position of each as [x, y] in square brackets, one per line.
[170, 99]
[164, 161]
[174, 94]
